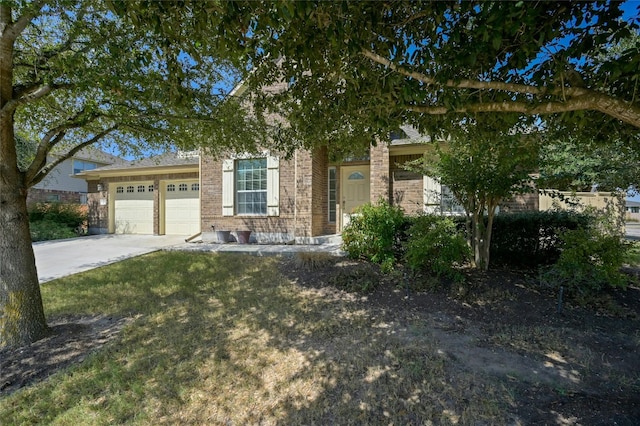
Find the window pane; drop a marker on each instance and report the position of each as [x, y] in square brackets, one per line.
[251, 186]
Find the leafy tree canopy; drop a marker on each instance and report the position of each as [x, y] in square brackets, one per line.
[362, 68]
[80, 74]
[484, 165]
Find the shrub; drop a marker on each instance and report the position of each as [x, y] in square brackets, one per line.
[70, 215]
[531, 239]
[436, 245]
[590, 261]
[374, 233]
[43, 230]
[51, 221]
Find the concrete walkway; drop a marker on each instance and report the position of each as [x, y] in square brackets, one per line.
[59, 258]
[333, 248]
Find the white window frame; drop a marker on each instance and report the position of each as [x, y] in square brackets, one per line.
[229, 185]
[436, 203]
[85, 165]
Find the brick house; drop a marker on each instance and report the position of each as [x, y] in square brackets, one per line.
[278, 199]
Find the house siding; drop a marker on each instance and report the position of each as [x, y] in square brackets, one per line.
[265, 228]
[406, 188]
[379, 173]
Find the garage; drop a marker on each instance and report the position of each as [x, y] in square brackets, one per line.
[181, 207]
[133, 208]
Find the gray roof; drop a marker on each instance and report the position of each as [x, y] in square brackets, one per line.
[91, 153]
[99, 156]
[179, 158]
[630, 203]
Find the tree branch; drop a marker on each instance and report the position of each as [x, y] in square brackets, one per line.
[472, 84]
[43, 171]
[592, 101]
[577, 98]
[15, 29]
[31, 94]
[50, 139]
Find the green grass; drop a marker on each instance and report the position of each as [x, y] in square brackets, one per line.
[226, 339]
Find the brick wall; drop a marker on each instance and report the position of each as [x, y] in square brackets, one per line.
[380, 179]
[407, 188]
[303, 200]
[37, 195]
[521, 203]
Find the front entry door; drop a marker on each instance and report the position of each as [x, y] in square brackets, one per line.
[354, 184]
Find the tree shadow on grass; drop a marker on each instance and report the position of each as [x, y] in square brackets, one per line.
[228, 339]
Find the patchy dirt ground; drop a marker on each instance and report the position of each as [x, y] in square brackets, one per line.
[70, 341]
[568, 364]
[574, 365]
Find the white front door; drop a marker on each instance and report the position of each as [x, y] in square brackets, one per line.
[355, 190]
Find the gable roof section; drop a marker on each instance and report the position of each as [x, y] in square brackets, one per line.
[169, 162]
[96, 155]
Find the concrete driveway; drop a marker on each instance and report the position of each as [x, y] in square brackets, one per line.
[632, 231]
[55, 259]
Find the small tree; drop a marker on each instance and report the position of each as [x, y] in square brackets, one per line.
[482, 167]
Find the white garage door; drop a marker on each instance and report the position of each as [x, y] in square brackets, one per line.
[133, 207]
[182, 207]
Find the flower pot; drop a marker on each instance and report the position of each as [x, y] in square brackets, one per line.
[243, 236]
[223, 236]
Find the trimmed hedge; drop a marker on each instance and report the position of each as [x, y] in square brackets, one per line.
[532, 239]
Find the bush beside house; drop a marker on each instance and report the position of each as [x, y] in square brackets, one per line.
[53, 221]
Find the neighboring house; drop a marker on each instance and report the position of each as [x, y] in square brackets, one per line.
[578, 201]
[278, 199]
[62, 184]
[632, 210]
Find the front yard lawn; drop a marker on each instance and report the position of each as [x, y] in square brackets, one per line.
[199, 338]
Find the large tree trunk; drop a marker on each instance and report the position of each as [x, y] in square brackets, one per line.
[21, 312]
[486, 240]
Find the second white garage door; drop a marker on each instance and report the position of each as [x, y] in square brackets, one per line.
[182, 207]
[133, 207]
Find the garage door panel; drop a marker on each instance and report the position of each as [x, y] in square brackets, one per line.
[133, 209]
[182, 208]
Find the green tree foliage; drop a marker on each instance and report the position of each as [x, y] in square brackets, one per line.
[572, 163]
[73, 73]
[483, 165]
[363, 68]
